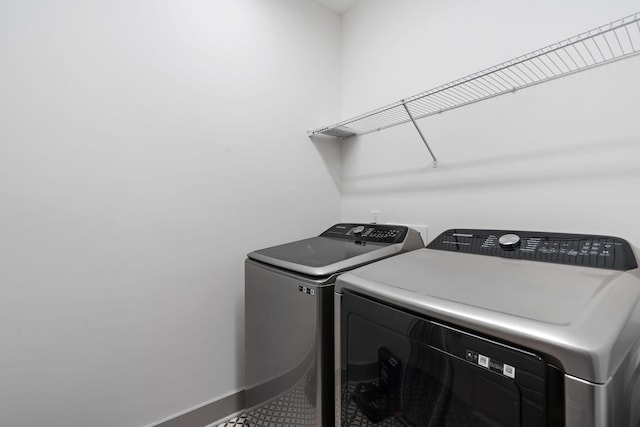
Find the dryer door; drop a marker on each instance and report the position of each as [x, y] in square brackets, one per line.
[405, 370]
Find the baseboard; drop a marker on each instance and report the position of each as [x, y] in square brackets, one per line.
[208, 413]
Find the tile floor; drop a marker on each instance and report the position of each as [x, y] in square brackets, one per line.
[291, 409]
[240, 421]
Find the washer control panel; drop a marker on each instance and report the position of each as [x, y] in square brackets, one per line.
[574, 249]
[378, 233]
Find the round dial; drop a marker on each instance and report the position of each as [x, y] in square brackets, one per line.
[509, 241]
[358, 229]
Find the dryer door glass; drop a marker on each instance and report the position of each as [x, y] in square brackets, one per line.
[399, 369]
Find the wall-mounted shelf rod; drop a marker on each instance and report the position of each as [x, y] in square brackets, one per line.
[435, 161]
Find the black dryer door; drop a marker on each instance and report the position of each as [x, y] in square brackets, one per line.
[399, 369]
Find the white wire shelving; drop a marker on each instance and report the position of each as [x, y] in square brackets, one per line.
[605, 44]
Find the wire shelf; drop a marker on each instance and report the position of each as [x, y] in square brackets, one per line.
[617, 40]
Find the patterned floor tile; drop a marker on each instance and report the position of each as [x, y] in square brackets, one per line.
[234, 422]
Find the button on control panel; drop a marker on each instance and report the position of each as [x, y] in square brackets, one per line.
[509, 241]
[561, 248]
[378, 233]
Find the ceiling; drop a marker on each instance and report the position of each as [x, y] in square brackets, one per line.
[338, 6]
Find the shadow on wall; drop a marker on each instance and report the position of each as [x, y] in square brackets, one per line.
[330, 150]
[583, 162]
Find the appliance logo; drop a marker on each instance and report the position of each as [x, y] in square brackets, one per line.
[306, 290]
[462, 235]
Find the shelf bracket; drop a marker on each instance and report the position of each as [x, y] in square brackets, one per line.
[435, 161]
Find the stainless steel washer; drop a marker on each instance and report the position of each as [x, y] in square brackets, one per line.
[493, 327]
[289, 319]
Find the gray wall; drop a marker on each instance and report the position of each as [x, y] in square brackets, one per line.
[145, 148]
[562, 156]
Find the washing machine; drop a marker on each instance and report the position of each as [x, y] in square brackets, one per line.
[492, 328]
[289, 319]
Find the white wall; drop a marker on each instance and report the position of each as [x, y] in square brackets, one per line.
[145, 148]
[561, 156]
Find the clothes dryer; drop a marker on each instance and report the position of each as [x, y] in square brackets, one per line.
[492, 328]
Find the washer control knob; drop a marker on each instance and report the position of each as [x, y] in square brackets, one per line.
[358, 229]
[509, 242]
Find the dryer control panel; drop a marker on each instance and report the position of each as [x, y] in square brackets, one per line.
[574, 249]
[376, 233]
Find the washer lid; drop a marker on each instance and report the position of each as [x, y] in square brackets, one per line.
[341, 247]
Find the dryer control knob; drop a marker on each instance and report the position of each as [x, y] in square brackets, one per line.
[357, 230]
[509, 242]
